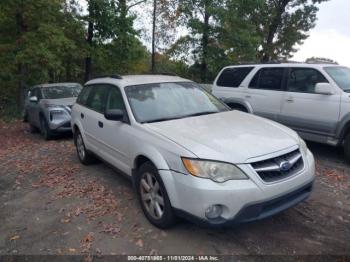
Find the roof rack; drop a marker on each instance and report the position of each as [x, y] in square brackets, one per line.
[115, 76]
[160, 73]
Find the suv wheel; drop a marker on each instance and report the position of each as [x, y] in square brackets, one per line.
[33, 129]
[153, 197]
[346, 147]
[44, 129]
[85, 157]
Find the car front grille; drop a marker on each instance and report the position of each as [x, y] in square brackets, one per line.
[281, 167]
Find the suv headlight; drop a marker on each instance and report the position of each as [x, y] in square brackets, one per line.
[216, 171]
[303, 146]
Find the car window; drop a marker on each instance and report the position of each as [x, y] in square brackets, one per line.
[36, 92]
[61, 91]
[304, 80]
[97, 98]
[83, 96]
[233, 77]
[268, 79]
[115, 99]
[341, 75]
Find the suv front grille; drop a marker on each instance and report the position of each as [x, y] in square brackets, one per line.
[281, 167]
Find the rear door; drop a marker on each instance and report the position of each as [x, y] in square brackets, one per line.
[265, 92]
[303, 109]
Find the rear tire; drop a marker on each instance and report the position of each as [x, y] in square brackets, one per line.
[85, 157]
[346, 147]
[153, 197]
[44, 129]
[33, 129]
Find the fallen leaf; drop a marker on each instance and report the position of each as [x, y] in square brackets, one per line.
[139, 243]
[72, 250]
[14, 238]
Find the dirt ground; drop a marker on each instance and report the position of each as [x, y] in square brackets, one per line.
[51, 204]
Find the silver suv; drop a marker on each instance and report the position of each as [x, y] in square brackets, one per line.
[48, 107]
[313, 99]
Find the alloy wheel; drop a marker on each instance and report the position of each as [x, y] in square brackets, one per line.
[151, 196]
[80, 147]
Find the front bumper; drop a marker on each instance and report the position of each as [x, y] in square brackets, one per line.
[242, 200]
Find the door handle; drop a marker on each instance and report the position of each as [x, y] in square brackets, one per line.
[248, 96]
[100, 124]
[290, 99]
[82, 115]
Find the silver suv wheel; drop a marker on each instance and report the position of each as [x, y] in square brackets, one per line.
[80, 147]
[152, 196]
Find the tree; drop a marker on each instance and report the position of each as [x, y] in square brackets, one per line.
[282, 24]
[34, 39]
[321, 60]
[200, 17]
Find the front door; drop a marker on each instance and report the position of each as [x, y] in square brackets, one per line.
[116, 135]
[303, 109]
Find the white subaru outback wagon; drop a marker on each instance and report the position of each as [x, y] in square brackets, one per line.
[189, 155]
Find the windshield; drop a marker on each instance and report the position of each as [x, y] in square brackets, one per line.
[166, 101]
[341, 75]
[58, 92]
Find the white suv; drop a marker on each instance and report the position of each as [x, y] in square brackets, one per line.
[187, 153]
[313, 99]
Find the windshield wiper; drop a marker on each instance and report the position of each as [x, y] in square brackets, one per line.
[178, 117]
[161, 120]
[201, 113]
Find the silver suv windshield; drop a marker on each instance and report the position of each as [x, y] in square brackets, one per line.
[341, 75]
[167, 101]
[64, 91]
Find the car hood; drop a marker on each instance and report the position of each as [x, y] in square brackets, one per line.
[232, 136]
[61, 102]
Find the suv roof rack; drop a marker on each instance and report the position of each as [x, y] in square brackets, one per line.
[115, 76]
[160, 73]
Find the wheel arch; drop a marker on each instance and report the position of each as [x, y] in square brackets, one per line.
[239, 102]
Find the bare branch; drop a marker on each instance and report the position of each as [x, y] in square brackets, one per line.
[137, 3]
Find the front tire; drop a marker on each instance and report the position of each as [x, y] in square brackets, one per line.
[346, 147]
[153, 197]
[85, 157]
[44, 129]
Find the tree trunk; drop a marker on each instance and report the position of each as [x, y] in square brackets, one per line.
[205, 41]
[276, 21]
[21, 29]
[88, 59]
[123, 35]
[154, 36]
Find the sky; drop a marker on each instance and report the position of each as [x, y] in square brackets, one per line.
[331, 36]
[329, 39]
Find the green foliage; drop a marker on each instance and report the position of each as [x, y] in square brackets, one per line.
[282, 24]
[51, 41]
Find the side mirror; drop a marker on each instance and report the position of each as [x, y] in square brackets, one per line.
[33, 99]
[114, 115]
[324, 89]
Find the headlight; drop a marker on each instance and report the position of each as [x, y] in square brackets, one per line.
[216, 171]
[303, 146]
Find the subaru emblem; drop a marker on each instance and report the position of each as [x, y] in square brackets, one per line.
[285, 166]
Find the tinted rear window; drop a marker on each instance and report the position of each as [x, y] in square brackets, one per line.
[268, 79]
[233, 77]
